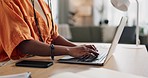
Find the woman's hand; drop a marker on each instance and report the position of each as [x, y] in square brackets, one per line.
[83, 50]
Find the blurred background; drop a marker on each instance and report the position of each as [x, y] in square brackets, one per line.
[97, 20]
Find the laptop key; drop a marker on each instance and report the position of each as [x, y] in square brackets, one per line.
[90, 58]
[87, 58]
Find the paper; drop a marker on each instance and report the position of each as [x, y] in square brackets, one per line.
[67, 75]
[22, 75]
[95, 73]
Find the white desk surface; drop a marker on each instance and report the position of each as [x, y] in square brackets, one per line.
[125, 59]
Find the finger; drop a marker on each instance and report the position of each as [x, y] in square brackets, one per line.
[94, 52]
[86, 45]
[84, 53]
[89, 50]
[92, 47]
[83, 57]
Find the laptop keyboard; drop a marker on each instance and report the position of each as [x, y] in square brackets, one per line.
[103, 50]
[91, 58]
[88, 58]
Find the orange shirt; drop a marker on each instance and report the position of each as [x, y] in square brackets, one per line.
[17, 24]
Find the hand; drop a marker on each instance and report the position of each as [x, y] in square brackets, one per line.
[83, 50]
[91, 47]
[94, 48]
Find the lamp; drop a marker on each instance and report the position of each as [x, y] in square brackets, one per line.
[123, 6]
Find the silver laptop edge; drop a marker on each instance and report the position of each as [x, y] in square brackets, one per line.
[116, 38]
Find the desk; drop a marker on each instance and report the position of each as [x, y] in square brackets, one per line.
[133, 61]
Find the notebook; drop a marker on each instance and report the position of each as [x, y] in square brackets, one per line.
[104, 53]
[20, 75]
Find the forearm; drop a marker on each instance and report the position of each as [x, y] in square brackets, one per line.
[62, 41]
[41, 49]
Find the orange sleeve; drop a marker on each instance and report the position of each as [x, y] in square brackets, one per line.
[13, 29]
[56, 34]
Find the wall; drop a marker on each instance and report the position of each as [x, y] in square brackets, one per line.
[63, 11]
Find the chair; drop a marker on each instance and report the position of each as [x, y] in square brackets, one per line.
[81, 34]
[96, 34]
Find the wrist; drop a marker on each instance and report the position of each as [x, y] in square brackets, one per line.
[52, 51]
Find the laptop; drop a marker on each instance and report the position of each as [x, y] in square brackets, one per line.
[105, 51]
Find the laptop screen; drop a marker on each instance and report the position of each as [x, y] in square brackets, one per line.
[117, 36]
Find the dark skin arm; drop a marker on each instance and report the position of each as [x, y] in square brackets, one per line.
[62, 47]
[62, 41]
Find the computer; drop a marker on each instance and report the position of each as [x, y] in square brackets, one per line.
[104, 53]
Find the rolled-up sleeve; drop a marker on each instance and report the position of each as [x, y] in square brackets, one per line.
[13, 29]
